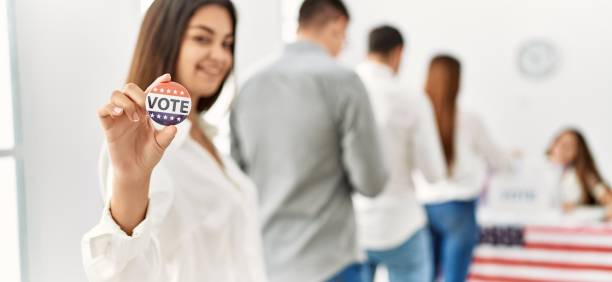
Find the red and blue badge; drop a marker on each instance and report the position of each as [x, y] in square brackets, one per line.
[168, 103]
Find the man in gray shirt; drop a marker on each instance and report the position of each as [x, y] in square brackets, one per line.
[303, 130]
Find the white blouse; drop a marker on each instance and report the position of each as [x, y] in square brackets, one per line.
[571, 189]
[201, 224]
[474, 152]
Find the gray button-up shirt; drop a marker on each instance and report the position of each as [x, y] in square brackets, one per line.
[303, 130]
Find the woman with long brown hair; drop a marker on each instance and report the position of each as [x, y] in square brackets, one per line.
[458, 151]
[177, 210]
[581, 182]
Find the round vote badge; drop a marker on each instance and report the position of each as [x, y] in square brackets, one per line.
[168, 103]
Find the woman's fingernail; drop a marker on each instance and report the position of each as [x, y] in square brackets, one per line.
[117, 110]
[135, 117]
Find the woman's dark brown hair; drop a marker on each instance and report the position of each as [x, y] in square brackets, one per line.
[442, 88]
[160, 39]
[584, 164]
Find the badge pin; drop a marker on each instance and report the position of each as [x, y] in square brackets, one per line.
[168, 103]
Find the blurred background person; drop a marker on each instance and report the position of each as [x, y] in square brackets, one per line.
[392, 226]
[459, 152]
[581, 183]
[303, 129]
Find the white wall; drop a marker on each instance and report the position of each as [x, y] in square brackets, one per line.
[71, 55]
[521, 113]
[259, 31]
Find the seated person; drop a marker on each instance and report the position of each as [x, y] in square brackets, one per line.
[581, 183]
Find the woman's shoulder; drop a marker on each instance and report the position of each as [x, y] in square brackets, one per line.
[471, 121]
[469, 115]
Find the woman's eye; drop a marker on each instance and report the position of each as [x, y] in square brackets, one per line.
[201, 39]
[228, 45]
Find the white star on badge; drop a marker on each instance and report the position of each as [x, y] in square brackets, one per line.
[152, 115]
[175, 92]
[179, 119]
[171, 118]
[161, 90]
[182, 93]
[158, 116]
[165, 117]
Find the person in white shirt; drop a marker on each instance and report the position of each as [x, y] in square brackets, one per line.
[581, 183]
[459, 154]
[392, 226]
[176, 210]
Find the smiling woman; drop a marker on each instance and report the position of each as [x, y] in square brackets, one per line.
[148, 63]
[193, 217]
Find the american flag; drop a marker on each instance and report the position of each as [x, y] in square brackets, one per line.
[543, 254]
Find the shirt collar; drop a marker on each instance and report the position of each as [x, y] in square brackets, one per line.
[377, 69]
[301, 46]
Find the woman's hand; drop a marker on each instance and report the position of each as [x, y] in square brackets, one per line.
[607, 199]
[135, 147]
[608, 213]
[568, 207]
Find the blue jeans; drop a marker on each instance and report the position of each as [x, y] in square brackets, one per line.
[454, 235]
[351, 273]
[409, 262]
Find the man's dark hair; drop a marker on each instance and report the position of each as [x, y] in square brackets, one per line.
[383, 39]
[317, 13]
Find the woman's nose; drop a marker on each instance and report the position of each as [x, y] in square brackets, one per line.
[218, 53]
